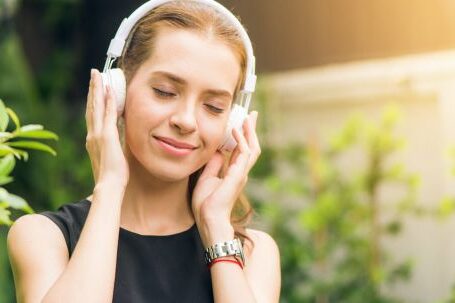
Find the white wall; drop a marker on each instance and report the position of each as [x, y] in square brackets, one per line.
[313, 103]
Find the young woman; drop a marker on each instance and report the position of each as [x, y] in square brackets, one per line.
[163, 192]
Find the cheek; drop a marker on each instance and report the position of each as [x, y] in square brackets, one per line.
[142, 111]
[212, 132]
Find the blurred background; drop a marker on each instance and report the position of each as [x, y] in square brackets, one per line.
[356, 105]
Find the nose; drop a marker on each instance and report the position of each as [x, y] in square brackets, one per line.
[184, 118]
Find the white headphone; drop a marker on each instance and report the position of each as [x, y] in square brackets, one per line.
[116, 79]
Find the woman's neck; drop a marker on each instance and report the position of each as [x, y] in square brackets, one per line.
[155, 207]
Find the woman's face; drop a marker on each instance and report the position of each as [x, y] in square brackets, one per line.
[178, 103]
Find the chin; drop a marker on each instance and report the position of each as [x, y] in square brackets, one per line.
[170, 171]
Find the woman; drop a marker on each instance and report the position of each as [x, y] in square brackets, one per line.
[163, 192]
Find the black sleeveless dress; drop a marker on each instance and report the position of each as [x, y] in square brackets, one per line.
[149, 268]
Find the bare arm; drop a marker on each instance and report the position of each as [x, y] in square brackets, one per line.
[37, 249]
[213, 200]
[39, 258]
[38, 255]
[90, 273]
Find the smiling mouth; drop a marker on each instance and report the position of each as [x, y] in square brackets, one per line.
[174, 148]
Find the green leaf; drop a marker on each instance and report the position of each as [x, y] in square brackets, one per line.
[13, 201]
[6, 165]
[3, 194]
[31, 127]
[37, 134]
[5, 180]
[4, 119]
[14, 117]
[6, 150]
[4, 217]
[33, 145]
[22, 153]
[5, 135]
[17, 202]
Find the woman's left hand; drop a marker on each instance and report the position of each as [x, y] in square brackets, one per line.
[214, 196]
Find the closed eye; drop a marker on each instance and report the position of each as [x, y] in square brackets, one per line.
[215, 109]
[162, 93]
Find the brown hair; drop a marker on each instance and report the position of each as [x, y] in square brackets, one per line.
[189, 15]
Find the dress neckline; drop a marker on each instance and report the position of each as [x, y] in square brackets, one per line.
[175, 235]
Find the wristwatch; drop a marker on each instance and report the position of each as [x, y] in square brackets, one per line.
[223, 249]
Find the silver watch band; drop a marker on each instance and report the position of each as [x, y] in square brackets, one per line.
[222, 249]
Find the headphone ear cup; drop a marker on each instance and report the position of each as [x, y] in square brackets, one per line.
[116, 80]
[236, 118]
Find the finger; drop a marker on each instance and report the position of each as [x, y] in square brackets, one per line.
[98, 103]
[234, 155]
[252, 138]
[236, 174]
[242, 144]
[89, 106]
[213, 167]
[239, 165]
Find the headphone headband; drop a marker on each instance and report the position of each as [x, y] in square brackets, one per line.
[118, 43]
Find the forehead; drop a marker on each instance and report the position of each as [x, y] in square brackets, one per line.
[202, 60]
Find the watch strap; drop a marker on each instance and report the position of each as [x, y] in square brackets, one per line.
[222, 249]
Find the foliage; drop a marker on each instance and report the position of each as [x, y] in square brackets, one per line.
[329, 219]
[451, 298]
[45, 87]
[10, 148]
[447, 204]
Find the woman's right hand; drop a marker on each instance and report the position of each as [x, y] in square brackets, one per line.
[103, 145]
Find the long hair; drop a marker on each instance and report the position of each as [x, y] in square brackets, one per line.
[188, 15]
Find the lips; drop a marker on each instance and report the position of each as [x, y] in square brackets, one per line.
[175, 143]
[173, 147]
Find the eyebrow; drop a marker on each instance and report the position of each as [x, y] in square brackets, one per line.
[181, 81]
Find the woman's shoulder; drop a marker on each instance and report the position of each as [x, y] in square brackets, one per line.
[57, 224]
[78, 208]
[262, 266]
[58, 228]
[39, 222]
[70, 219]
[262, 243]
[37, 252]
[31, 226]
[259, 234]
[69, 216]
[33, 233]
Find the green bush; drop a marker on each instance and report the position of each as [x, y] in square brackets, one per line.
[10, 149]
[328, 218]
